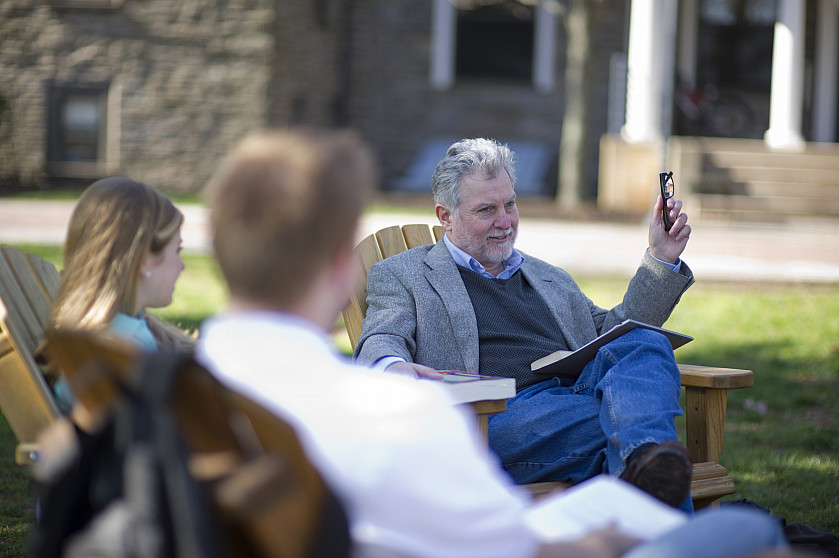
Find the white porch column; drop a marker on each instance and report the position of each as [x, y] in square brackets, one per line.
[650, 61]
[544, 46]
[443, 31]
[786, 100]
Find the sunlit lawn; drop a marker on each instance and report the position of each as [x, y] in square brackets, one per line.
[781, 436]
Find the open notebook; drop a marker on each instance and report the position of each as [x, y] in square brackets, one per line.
[595, 504]
[571, 363]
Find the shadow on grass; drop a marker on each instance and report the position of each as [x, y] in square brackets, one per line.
[782, 435]
[784, 378]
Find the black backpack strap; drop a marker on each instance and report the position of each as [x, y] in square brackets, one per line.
[195, 532]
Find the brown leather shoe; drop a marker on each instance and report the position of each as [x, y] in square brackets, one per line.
[662, 470]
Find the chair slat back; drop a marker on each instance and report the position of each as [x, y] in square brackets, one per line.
[48, 276]
[374, 248]
[368, 253]
[417, 235]
[28, 309]
[391, 241]
[38, 296]
[25, 398]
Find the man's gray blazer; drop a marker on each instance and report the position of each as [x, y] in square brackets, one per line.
[419, 308]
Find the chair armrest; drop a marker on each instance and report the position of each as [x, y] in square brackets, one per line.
[715, 378]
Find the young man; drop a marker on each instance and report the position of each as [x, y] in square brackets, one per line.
[411, 469]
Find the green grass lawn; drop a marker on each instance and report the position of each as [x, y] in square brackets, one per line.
[781, 436]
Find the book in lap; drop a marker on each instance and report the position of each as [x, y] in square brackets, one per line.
[571, 363]
[467, 387]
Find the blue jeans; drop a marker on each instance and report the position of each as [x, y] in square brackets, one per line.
[716, 533]
[566, 430]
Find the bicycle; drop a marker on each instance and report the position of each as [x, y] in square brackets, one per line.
[706, 111]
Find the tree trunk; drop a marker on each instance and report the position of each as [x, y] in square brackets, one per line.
[572, 148]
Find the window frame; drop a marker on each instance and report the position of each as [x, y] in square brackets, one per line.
[57, 163]
[444, 46]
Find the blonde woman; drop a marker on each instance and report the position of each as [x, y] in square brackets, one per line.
[121, 257]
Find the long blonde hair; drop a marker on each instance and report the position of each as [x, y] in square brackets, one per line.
[115, 225]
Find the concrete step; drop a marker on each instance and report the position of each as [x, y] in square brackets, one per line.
[745, 179]
[788, 189]
[805, 161]
[771, 189]
[716, 203]
[828, 178]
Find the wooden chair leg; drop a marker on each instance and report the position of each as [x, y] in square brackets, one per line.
[483, 409]
[705, 422]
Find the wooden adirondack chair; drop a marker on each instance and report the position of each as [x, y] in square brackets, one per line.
[270, 499]
[27, 286]
[706, 388]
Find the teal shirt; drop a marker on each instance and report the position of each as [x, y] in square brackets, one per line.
[131, 328]
[134, 329]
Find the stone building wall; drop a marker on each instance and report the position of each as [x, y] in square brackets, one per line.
[307, 85]
[186, 79]
[391, 102]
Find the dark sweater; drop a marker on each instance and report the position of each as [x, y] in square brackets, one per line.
[515, 326]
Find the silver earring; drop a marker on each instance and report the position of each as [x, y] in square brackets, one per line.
[147, 273]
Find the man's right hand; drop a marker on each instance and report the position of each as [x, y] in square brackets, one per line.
[413, 370]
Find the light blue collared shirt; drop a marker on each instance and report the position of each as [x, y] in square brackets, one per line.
[461, 258]
[131, 328]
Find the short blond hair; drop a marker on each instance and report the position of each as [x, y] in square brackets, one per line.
[283, 203]
[115, 225]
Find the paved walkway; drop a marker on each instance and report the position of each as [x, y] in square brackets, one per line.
[719, 251]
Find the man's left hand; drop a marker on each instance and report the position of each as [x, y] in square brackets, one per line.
[667, 246]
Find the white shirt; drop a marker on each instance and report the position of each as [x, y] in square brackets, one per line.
[411, 468]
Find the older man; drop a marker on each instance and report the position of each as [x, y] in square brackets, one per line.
[473, 302]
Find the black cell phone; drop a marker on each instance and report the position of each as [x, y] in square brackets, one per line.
[668, 188]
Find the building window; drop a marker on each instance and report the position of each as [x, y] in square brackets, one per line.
[735, 41]
[77, 130]
[511, 41]
[494, 41]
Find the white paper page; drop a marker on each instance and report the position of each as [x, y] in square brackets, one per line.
[597, 502]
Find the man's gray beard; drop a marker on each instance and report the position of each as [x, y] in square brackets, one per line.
[498, 254]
